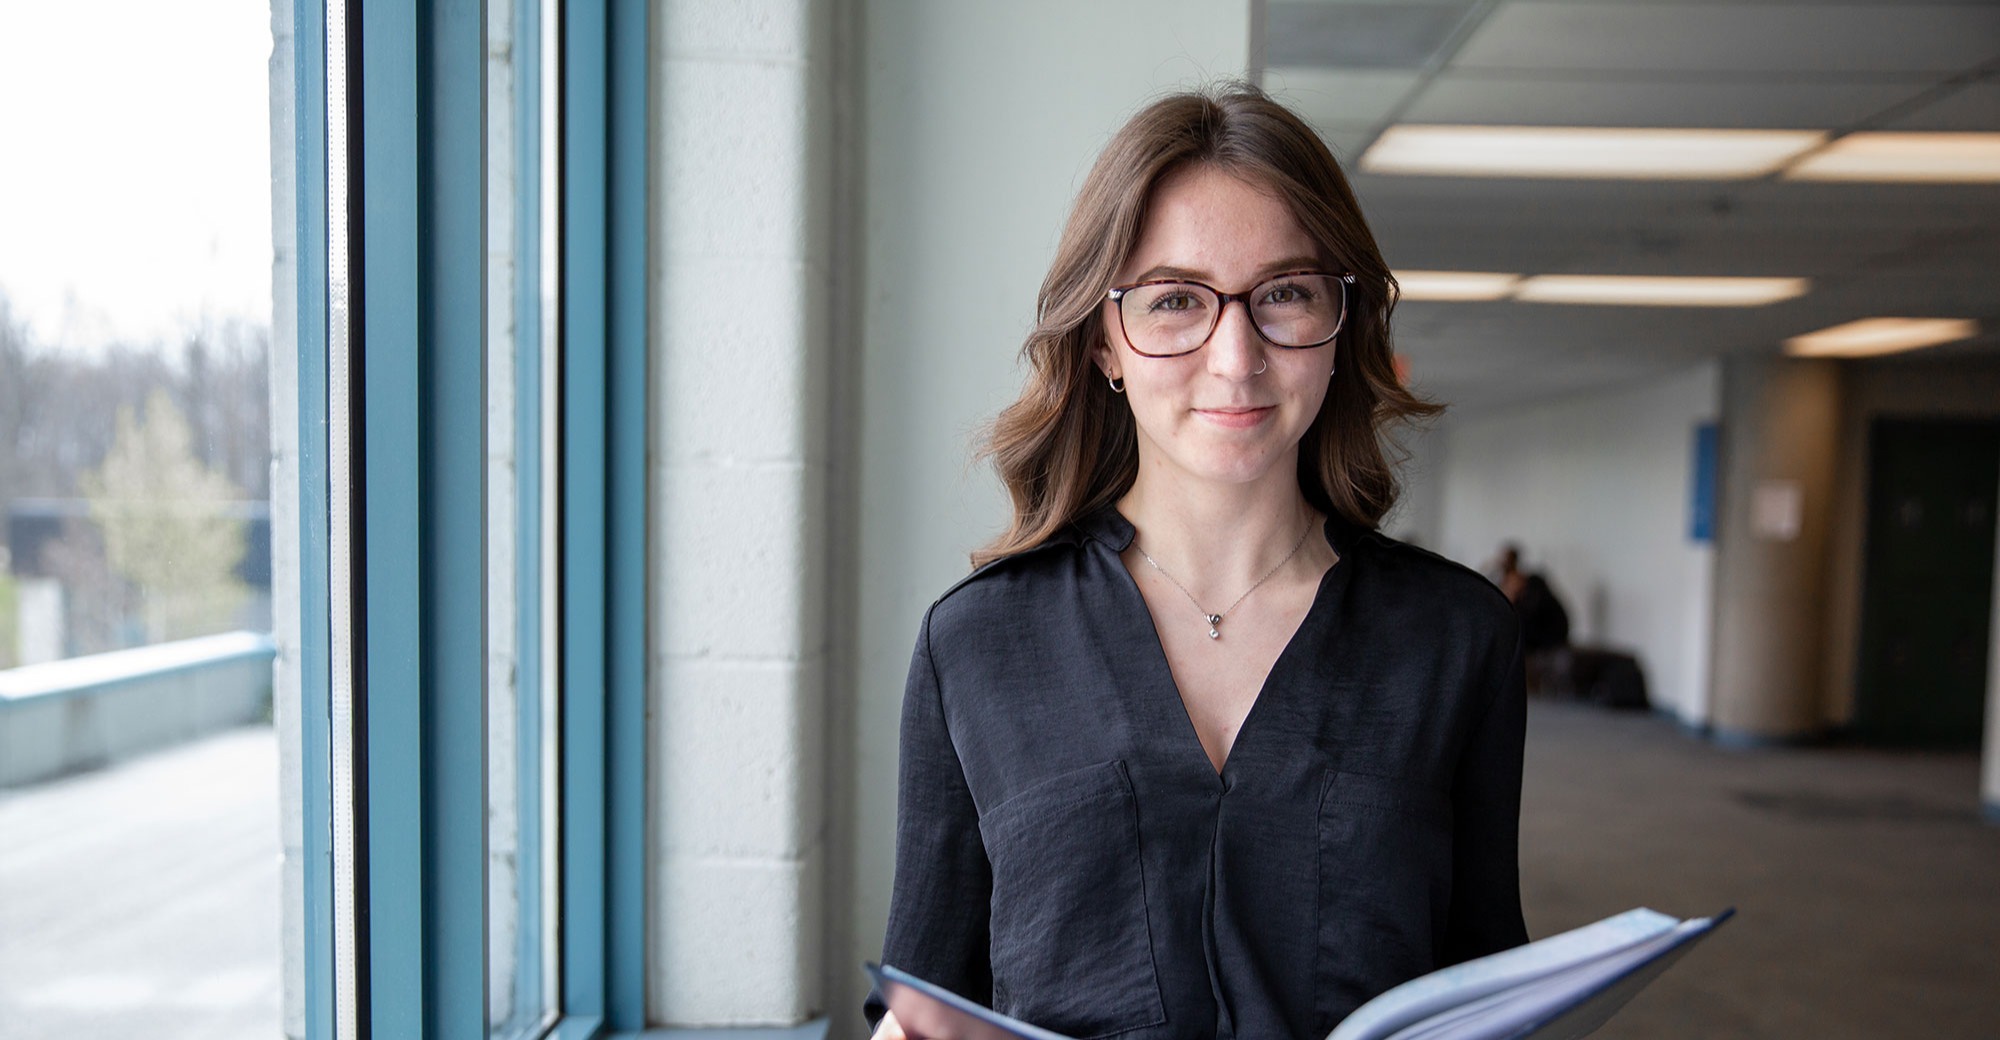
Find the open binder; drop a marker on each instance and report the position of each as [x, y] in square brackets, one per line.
[1558, 988]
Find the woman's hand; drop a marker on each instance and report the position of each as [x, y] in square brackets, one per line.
[889, 1029]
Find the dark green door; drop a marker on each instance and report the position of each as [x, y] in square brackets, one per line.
[1927, 596]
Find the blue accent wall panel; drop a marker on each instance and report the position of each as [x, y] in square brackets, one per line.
[1701, 485]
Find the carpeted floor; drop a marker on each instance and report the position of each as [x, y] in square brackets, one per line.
[1866, 884]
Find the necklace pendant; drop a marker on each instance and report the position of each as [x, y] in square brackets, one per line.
[1214, 620]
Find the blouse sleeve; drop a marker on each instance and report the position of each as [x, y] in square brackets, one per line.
[938, 908]
[1486, 813]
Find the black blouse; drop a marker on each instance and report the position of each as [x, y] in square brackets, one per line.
[1066, 852]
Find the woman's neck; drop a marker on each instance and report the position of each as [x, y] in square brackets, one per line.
[1217, 539]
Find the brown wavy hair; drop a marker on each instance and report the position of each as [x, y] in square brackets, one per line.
[1068, 445]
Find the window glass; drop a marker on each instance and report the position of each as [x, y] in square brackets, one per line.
[143, 864]
[520, 531]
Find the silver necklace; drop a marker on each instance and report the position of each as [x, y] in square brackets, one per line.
[1215, 620]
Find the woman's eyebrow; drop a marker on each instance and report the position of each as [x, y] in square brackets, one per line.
[1187, 274]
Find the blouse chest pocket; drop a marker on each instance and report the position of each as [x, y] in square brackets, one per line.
[1384, 885]
[1071, 947]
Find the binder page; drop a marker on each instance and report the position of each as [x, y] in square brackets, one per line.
[1421, 998]
[926, 1009]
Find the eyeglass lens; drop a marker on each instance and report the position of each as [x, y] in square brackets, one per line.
[1167, 318]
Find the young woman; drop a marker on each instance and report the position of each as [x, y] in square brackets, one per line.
[1195, 751]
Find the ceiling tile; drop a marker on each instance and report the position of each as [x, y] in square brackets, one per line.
[1973, 107]
[1358, 35]
[1734, 38]
[1678, 103]
[1329, 97]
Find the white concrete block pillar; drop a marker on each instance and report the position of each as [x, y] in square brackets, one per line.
[738, 649]
[287, 668]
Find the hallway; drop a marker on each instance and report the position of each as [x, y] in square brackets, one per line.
[1867, 889]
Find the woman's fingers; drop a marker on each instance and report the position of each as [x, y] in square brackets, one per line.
[890, 1029]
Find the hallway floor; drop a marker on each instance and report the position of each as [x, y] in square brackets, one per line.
[1867, 887]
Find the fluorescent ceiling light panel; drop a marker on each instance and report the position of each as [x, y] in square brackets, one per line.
[1586, 152]
[1456, 285]
[1648, 291]
[1924, 158]
[1869, 337]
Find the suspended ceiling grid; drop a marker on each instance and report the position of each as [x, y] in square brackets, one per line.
[1354, 69]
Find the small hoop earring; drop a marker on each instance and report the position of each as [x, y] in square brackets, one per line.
[1117, 384]
[1260, 368]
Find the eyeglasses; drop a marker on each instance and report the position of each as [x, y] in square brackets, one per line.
[1172, 317]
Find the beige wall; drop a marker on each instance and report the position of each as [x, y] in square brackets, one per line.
[1779, 432]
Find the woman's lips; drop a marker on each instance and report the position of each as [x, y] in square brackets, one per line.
[1235, 418]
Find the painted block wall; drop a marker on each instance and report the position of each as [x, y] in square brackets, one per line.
[1595, 488]
[737, 516]
[976, 124]
[287, 670]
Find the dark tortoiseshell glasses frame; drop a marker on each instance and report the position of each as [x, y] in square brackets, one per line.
[1116, 295]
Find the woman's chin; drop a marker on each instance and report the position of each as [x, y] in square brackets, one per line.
[1233, 467]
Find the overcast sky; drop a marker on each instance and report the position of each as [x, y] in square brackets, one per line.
[135, 197]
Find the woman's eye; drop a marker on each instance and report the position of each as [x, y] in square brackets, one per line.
[1286, 294]
[1175, 301]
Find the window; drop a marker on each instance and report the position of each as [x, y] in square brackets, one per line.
[141, 886]
[478, 655]
[432, 518]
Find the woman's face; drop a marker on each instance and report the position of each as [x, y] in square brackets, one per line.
[1213, 415]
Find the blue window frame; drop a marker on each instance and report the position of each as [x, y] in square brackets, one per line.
[389, 123]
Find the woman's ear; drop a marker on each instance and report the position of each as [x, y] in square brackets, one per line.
[1105, 359]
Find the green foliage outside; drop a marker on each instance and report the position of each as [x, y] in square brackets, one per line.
[10, 620]
[161, 513]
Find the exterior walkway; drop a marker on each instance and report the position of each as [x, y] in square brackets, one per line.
[143, 900]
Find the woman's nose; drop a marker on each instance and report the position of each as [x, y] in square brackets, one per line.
[1235, 350]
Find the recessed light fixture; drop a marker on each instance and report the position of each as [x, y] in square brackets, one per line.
[1662, 291]
[1869, 337]
[1456, 285]
[1586, 152]
[1966, 158]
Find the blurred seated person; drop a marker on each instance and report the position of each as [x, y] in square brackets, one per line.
[1544, 622]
